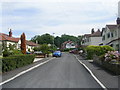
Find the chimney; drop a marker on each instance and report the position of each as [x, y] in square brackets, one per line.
[92, 31]
[10, 33]
[98, 30]
[118, 21]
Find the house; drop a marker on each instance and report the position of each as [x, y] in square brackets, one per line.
[111, 35]
[68, 45]
[94, 38]
[30, 45]
[8, 40]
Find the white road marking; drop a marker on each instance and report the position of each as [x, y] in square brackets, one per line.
[25, 71]
[98, 81]
[37, 59]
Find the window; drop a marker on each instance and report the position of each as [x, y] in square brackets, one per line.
[112, 34]
[115, 33]
[111, 45]
[117, 47]
[108, 35]
[103, 38]
[88, 40]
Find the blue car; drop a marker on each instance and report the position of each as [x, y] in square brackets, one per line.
[57, 54]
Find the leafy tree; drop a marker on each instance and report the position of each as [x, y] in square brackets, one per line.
[58, 41]
[43, 39]
[37, 48]
[64, 37]
[45, 48]
[48, 39]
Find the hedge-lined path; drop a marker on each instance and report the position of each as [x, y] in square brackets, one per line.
[10, 74]
[63, 72]
[108, 79]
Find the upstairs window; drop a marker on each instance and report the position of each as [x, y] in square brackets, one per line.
[108, 35]
[112, 34]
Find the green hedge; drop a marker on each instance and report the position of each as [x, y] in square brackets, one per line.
[97, 50]
[16, 61]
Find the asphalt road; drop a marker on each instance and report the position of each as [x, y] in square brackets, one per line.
[63, 72]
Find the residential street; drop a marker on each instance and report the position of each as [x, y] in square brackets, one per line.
[62, 72]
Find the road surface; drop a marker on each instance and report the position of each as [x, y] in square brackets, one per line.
[62, 72]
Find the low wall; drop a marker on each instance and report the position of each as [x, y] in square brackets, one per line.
[112, 67]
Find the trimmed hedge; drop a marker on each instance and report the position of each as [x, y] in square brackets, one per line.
[16, 61]
[97, 50]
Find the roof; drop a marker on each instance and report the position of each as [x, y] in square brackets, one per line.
[68, 42]
[7, 38]
[95, 34]
[87, 35]
[112, 27]
[31, 43]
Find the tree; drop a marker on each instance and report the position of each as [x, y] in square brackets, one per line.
[58, 41]
[23, 43]
[45, 48]
[64, 37]
[43, 39]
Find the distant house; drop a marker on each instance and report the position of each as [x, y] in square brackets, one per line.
[111, 35]
[30, 45]
[94, 38]
[68, 45]
[8, 40]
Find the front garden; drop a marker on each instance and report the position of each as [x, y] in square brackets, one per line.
[13, 58]
[104, 56]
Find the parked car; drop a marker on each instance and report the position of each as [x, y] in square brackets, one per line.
[28, 52]
[38, 52]
[57, 54]
[74, 51]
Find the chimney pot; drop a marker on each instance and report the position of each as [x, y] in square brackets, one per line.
[10, 33]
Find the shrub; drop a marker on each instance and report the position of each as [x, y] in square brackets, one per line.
[16, 52]
[36, 48]
[97, 50]
[45, 49]
[16, 61]
[6, 53]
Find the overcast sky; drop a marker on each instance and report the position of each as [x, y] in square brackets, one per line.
[73, 17]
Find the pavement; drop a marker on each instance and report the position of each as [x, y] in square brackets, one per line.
[108, 79]
[62, 72]
[10, 74]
